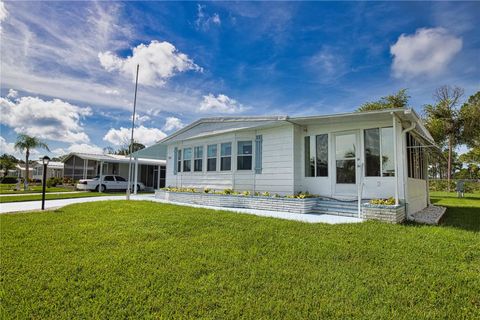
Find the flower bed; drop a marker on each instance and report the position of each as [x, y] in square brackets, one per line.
[387, 213]
[285, 204]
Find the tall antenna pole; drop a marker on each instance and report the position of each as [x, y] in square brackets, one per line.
[131, 138]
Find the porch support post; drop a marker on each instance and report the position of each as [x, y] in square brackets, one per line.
[135, 179]
[85, 163]
[158, 177]
[395, 155]
[101, 178]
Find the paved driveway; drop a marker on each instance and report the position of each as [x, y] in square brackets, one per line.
[13, 207]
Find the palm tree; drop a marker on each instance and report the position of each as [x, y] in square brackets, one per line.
[26, 143]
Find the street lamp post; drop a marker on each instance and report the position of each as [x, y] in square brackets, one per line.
[45, 161]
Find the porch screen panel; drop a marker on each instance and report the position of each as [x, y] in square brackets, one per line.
[372, 152]
[322, 155]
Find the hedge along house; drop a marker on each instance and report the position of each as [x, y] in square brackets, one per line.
[151, 172]
[351, 156]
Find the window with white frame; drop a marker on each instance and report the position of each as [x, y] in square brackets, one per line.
[187, 159]
[212, 157]
[198, 158]
[379, 152]
[226, 156]
[244, 155]
[316, 155]
[179, 161]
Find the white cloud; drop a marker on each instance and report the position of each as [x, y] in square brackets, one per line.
[113, 92]
[204, 20]
[172, 123]
[12, 94]
[78, 147]
[221, 103]
[139, 119]
[158, 62]
[143, 135]
[55, 119]
[427, 52]
[3, 11]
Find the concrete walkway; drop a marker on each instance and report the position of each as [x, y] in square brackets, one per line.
[14, 207]
[36, 193]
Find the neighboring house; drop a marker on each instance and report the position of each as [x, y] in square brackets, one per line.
[364, 155]
[19, 171]
[151, 172]
[54, 170]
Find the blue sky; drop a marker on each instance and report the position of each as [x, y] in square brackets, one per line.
[68, 68]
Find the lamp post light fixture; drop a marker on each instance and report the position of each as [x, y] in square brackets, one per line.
[45, 161]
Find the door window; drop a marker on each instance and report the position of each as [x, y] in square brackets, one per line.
[345, 153]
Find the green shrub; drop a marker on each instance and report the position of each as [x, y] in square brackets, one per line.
[206, 190]
[471, 186]
[8, 180]
[53, 182]
[386, 202]
[227, 191]
[246, 193]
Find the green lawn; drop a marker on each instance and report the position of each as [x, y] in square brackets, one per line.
[36, 197]
[123, 259]
[462, 213]
[8, 189]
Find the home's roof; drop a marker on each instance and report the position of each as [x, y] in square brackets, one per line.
[157, 151]
[113, 158]
[52, 164]
[218, 125]
[22, 167]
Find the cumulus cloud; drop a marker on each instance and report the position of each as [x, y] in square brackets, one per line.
[172, 123]
[55, 119]
[143, 135]
[12, 94]
[204, 20]
[158, 61]
[78, 147]
[220, 103]
[427, 52]
[3, 11]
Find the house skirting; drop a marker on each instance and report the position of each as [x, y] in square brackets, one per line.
[237, 201]
[392, 214]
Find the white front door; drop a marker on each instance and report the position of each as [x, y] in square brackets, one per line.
[347, 156]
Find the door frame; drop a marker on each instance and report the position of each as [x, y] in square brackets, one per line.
[346, 190]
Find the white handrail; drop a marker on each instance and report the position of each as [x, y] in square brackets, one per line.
[360, 191]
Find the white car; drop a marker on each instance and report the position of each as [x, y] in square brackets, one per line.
[109, 182]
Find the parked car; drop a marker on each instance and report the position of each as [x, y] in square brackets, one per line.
[109, 182]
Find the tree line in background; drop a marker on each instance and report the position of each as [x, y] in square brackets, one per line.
[452, 121]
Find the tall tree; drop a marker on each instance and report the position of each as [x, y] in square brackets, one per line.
[26, 143]
[470, 116]
[393, 101]
[444, 121]
[7, 162]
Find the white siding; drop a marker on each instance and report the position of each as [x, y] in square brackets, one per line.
[417, 195]
[277, 163]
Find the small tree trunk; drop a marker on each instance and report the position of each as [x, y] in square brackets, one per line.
[449, 165]
[25, 183]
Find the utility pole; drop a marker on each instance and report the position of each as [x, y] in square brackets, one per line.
[131, 138]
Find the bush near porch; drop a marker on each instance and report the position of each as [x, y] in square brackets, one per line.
[118, 259]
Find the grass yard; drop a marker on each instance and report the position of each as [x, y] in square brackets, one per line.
[462, 213]
[37, 197]
[8, 189]
[147, 260]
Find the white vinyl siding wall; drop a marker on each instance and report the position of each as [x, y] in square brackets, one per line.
[277, 163]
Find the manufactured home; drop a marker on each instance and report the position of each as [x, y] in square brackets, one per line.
[350, 156]
[54, 170]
